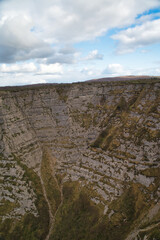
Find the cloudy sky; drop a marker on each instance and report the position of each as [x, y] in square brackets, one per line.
[43, 41]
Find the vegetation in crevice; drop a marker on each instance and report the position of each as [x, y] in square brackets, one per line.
[126, 115]
[86, 120]
[62, 92]
[105, 138]
[50, 181]
[122, 105]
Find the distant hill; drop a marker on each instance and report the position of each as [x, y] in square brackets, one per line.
[124, 78]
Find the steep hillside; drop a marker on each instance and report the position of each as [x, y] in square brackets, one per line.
[80, 161]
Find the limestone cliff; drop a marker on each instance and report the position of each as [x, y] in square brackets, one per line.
[92, 144]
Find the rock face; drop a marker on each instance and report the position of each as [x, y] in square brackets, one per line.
[102, 136]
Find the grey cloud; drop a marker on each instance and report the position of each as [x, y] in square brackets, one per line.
[7, 54]
[11, 54]
[67, 50]
[60, 58]
[66, 55]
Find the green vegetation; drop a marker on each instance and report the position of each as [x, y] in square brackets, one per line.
[28, 227]
[80, 219]
[6, 207]
[151, 234]
[124, 117]
[105, 138]
[62, 91]
[145, 133]
[50, 181]
[151, 172]
[122, 105]
[77, 215]
[85, 119]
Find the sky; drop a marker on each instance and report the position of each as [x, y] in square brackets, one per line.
[55, 41]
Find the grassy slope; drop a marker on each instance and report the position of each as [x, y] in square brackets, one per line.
[80, 219]
[50, 182]
[29, 227]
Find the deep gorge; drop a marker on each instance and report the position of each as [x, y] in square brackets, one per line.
[80, 161]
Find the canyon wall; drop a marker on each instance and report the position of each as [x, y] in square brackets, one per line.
[95, 137]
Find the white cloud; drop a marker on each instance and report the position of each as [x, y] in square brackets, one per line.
[138, 36]
[50, 69]
[31, 68]
[94, 55]
[15, 68]
[19, 79]
[144, 51]
[116, 69]
[80, 20]
[87, 71]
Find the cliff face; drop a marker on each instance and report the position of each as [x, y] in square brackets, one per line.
[91, 142]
